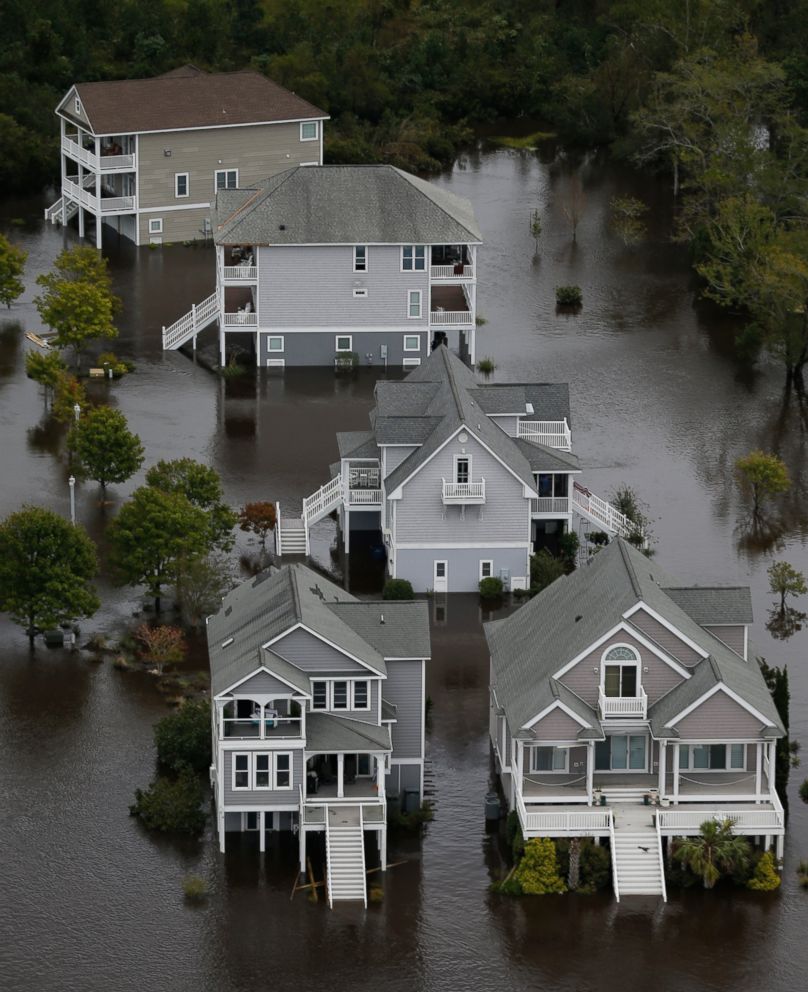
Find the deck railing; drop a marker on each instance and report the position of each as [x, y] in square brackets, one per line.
[242, 317]
[191, 323]
[578, 823]
[550, 504]
[553, 433]
[464, 492]
[602, 511]
[108, 204]
[443, 317]
[464, 271]
[100, 163]
[623, 705]
[747, 820]
[364, 497]
[249, 272]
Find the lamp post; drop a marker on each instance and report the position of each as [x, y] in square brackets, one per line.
[72, 483]
[76, 411]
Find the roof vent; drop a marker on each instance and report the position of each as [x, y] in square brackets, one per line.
[381, 618]
[579, 617]
[228, 642]
[281, 227]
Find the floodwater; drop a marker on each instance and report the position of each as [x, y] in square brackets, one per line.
[90, 902]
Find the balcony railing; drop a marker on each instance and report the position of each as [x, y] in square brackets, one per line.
[552, 433]
[456, 271]
[242, 317]
[743, 820]
[451, 318]
[240, 272]
[364, 497]
[99, 163]
[583, 823]
[247, 727]
[628, 706]
[104, 204]
[458, 493]
[550, 504]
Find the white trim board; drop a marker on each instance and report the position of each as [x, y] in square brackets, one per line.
[555, 705]
[174, 130]
[668, 625]
[720, 687]
[263, 668]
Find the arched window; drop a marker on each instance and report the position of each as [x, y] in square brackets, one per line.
[621, 665]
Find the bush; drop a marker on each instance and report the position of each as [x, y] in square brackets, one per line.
[598, 538]
[765, 877]
[568, 296]
[513, 834]
[537, 872]
[195, 888]
[804, 791]
[398, 589]
[544, 569]
[183, 739]
[486, 366]
[411, 822]
[568, 549]
[119, 366]
[491, 588]
[172, 805]
[802, 874]
[346, 361]
[595, 862]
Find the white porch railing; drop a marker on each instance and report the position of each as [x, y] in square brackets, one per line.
[550, 504]
[743, 820]
[553, 433]
[240, 272]
[463, 492]
[364, 497]
[623, 705]
[444, 317]
[601, 512]
[578, 823]
[466, 271]
[99, 163]
[108, 204]
[241, 318]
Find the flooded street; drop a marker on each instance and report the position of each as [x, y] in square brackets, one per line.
[91, 902]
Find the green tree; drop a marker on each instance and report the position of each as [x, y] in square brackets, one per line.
[172, 805]
[537, 872]
[107, 451]
[713, 852]
[77, 302]
[12, 266]
[627, 219]
[46, 569]
[45, 367]
[785, 580]
[201, 584]
[67, 392]
[183, 738]
[763, 475]
[161, 645]
[544, 569]
[765, 877]
[202, 487]
[152, 534]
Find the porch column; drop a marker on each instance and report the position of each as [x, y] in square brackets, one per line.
[340, 776]
[262, 839]
[676, 747]
[380, 776]
[772, 766]
[520, 764]
[347, 535]
[301, 842]
[221, 341]
[383, 848]
[663, 758]
[590, 771]
[758, 769]
[780, 846]
[98, 210]
[220, 824]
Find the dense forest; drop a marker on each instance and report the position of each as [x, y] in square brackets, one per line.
[711, 93]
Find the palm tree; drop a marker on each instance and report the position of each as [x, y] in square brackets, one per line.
[715, 851]
[574, 872]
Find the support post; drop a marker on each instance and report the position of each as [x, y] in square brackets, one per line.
[301, 842]
[340, 776]
[262, 837]
[81, 219]
[347, 539]
[780, 846]
[383, 847]
[676, 748]
[221, 344]
[767, 842]
[772, 777]
[380, 776]
[220, 823]
[590, 771]
[758, 769]
[663, 758]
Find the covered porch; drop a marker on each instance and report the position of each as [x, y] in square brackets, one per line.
[344, 775]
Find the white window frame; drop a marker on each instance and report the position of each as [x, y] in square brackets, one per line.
[275, 337]
[489, 562]
[412, 337]
[155, 221]
[689, 766]
[461, 458]
[223, 172]
[246, 821]
[636, 662]
[276, 770]
[266, 771]
[360, 293]
[557, 751]
[315, 125]
[343, 337]
[319, 709]
[420, 295]
[409, 363]
[356, 260]
[333, 707]
[241, 771]
[187, 177]
[354, 705]
[414, 267]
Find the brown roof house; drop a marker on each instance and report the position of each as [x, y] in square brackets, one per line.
[147, 156]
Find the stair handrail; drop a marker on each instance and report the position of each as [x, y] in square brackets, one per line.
[661, 861]
[328, 862]
[278, 543]
[613, 846]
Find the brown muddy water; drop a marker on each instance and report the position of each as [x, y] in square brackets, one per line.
[89, 902]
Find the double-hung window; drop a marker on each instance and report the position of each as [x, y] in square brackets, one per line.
[486, 568]
[309, 130]
[262, 771]
[414, 304]
[548, 759]
[226, 179]
[283, 770]
[360, 258]
[413, 258]
[241, 771]
[339, 695]
[181, 184]
[319, 693]
[361, 699]
[462, 470]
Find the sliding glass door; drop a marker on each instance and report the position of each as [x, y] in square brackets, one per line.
[622, 753]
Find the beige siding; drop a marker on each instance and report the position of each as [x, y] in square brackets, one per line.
[719, 718]
[731, 634]
[664, 638]
[68, 106]
[556, 726]
[584, 678]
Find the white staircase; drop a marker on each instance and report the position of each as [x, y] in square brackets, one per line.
[345, 855]
[292, 534]
[189, 325]
[61, 211]
[321, 503]
[291, 537]
[637, 866]
[600, 512]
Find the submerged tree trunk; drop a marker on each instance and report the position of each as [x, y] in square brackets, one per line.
[574, 873]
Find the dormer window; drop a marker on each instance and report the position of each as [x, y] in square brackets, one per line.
[621, 672]
[77, 106]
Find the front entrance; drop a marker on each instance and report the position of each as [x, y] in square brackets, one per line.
[622, 752]
[440, 582]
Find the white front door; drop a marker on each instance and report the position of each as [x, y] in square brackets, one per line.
[441, 576]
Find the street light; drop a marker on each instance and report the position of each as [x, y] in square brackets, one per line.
[76, 411]
[72, 483]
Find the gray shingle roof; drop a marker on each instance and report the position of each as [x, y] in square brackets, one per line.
[327, 732]
[345, 204]
[550, 400]
[357, 444]
[544, 459]
[404, 633]
[572, 613]
[285, 670]
[714, 604]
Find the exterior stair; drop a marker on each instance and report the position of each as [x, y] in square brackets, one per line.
[291, 537]
[292, 534]
[345, 855]
[189, 325]
[61, 211]
[600, 512]
[637, 864]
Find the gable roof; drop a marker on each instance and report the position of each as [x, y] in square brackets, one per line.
[262, 610]
[571, 614]
[714, 605]
[188, 98]
[344, 204]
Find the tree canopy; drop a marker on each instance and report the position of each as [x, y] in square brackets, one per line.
[202, 487]
[12, 266]
[107, 451]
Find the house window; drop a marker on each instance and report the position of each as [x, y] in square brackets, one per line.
[413, 258]
[712, 757]
[486, 569]
[621, 752]
[360, 695]
[551, 485]
[155, 225]
[360, 293]
[360, 258]
[181, 184]
[549, 759]
[414, 304]
[620, 672]
[274, 343]
[77, 105]
[226, 179]
[283, 770]
[262, 771]
[339, 696]
[462, 469]
[344, 342]
[737, 756]
[241, 771]
[309, 130]
[412, 342]
[319, 695]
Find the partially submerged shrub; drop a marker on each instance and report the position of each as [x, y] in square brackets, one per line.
[765, 878]
[194, 888]
[172, 805]
[537, 872]
[544, 569]
[486, 365]
[569, 296]
[398, 589]
[491, 588]
[183, 738]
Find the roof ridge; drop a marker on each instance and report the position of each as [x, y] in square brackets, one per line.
[452, 383]
[408, 177]
[295, 592]
[632, 574]
[261, 189]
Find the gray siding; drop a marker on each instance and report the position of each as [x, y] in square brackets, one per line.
[394, 456]
[263, 684]
[421, 515]
[731, 634]
[719, 718]
[317, 348]
[311, 654]
[404, 688]
[312, 286]
[464, 565]
[556, 726]
[261, 797]
[664, 638]
[507, 424]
